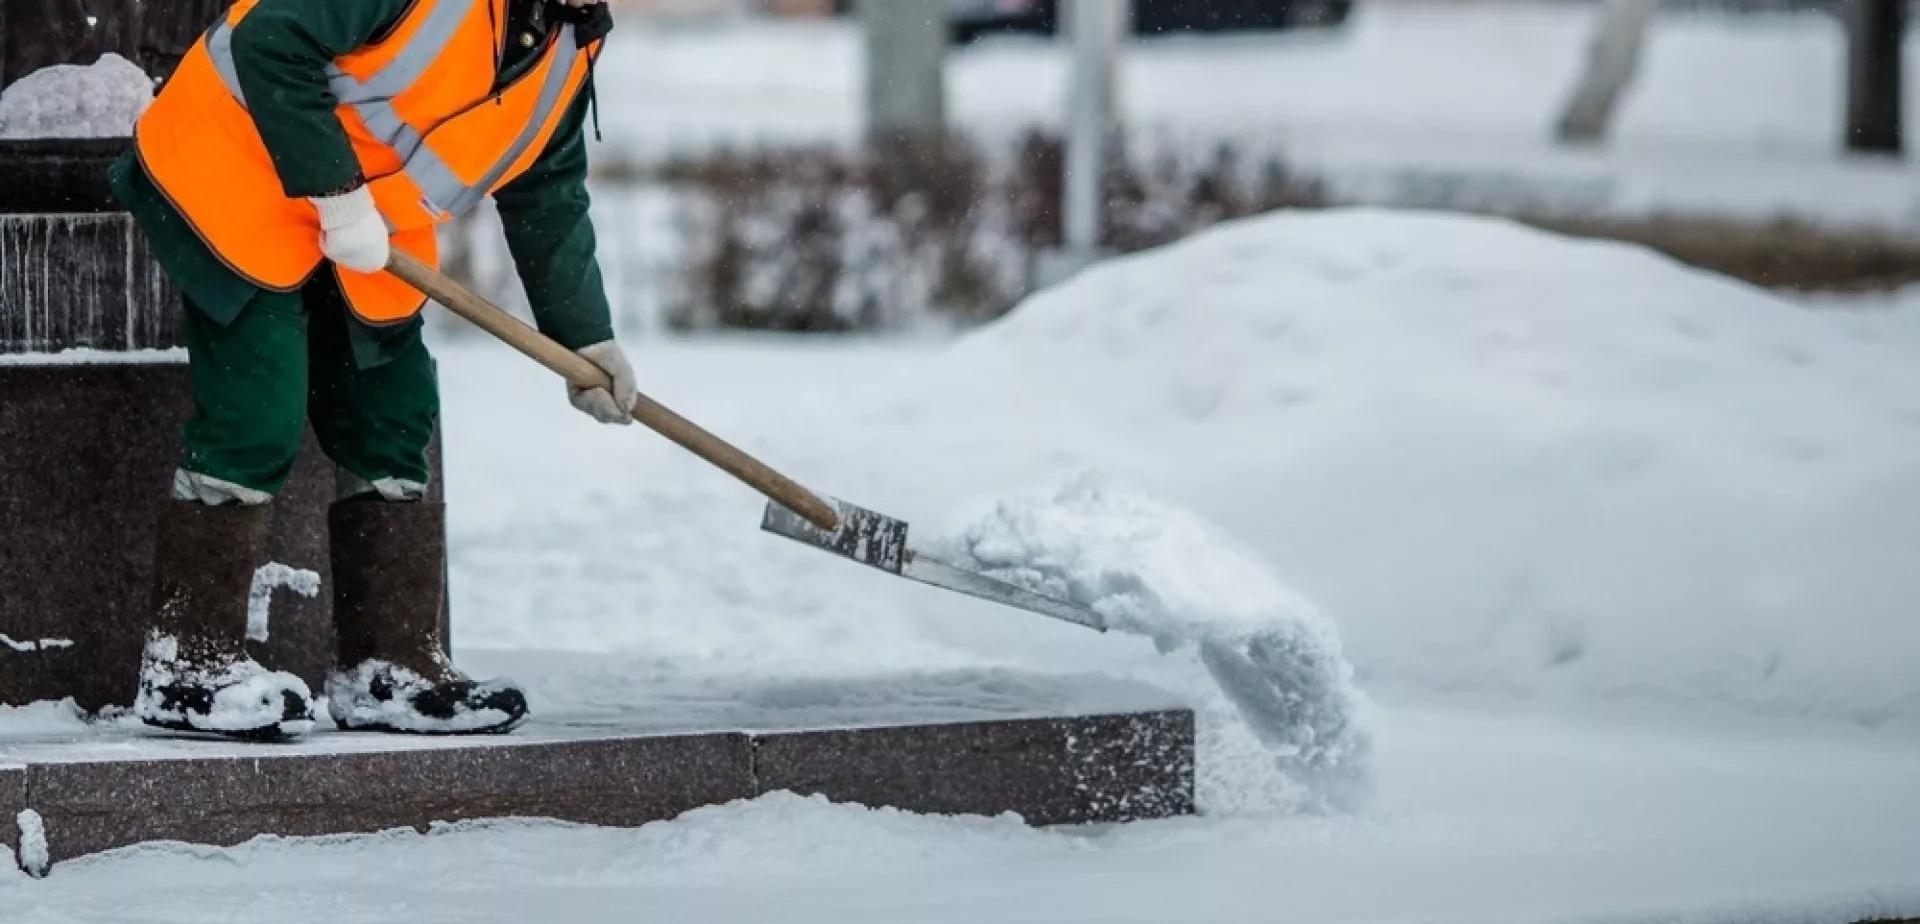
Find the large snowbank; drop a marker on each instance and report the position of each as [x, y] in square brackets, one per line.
[1501, 460]
[99, 100]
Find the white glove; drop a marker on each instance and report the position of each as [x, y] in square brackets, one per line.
[352, 231]
[616, 408]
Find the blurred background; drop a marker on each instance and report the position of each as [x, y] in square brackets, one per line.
[815, 165]
[904, 165]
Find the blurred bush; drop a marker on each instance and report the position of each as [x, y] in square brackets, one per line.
[951, 233]
[905, 234]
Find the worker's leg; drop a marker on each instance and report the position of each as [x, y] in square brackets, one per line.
[248, 380]
[375, 423]
[388, 542]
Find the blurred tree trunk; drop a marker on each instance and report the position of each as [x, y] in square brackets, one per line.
[1876, 30]
[1613, 59]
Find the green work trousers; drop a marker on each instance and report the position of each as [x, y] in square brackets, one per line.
[287, 360]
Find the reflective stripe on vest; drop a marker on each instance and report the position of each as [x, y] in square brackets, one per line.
[372, 100]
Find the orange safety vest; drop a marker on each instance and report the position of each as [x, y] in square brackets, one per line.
[431, 134]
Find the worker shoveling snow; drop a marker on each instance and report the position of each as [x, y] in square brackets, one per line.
[1158, 571]
[1090, 556]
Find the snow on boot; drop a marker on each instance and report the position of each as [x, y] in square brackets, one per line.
[392, 672]
[195, 674]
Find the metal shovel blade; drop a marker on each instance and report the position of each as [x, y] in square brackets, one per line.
[880, 541]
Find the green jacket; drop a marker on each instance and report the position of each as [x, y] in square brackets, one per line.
[281, 52]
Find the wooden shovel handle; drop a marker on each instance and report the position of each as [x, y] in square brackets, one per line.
[581, 372]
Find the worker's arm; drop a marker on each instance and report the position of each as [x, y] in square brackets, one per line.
[281, 51]
[544, 214]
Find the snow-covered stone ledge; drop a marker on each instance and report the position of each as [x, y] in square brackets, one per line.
[1048, 770]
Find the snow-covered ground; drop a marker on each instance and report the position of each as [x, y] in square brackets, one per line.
[1621, 555]
[1483, 814]
[1410, 103]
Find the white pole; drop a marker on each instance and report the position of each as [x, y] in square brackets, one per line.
[1097, 27]
[1613, 59]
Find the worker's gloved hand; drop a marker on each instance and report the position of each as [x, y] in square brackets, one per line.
[615, 408]
[352, 231]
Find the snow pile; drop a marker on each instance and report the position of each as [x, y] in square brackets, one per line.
[45, 717]
[1507, 461]
[33, 843]
[1161, 572]
[260, 597]
[99, 100]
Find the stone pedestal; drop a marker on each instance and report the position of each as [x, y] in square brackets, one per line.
[87, 452]
[74, 271]
[93, 390]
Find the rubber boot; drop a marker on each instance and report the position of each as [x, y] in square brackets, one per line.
[195, 674]
[392, 672]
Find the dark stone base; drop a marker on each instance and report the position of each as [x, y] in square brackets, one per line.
[54, 175]
[13, 801]
[1103, 768]
[87, 454]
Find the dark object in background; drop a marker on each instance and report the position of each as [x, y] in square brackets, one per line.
[1153, 17]
[154, 34]
[58, 175]
[1875, 30]
[40, 33]
[972, 19]
[168, 28]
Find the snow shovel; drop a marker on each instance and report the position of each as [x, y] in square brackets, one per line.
[824, 523]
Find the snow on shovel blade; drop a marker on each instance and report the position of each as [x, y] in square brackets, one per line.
[880, 541]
